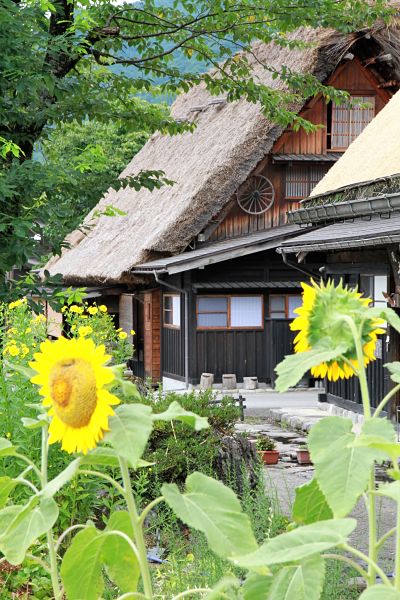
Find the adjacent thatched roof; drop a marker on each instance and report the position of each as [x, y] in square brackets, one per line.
[208, 166]
[374, 155]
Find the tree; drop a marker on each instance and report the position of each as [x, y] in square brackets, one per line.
[67, 60]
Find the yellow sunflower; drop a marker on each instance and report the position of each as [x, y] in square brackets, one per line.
[319, 324]
[73, 374]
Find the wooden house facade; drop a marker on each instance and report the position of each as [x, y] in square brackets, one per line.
[355, 212]
[193, 268]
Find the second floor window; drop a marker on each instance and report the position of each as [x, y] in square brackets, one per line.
[301, 179]
[348, 121]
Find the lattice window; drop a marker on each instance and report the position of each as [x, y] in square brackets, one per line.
[230, 312]
[300, 180]
[172, 310]
[348, 122]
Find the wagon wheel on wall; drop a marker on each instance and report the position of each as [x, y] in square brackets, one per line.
[256, 196]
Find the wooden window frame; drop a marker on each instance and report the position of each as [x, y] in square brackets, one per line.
[228, 313]
[171, 310]
[308, 167]
[330, 134]
[286, 297]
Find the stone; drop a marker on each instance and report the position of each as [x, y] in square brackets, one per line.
[229, 381]
[250, 383]
[206, 381]
[237, 462]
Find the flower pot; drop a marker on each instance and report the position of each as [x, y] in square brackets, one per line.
[269, 457]
[303, 457]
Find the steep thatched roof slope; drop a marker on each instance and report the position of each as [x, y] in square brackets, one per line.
[374, 154]
[207, 167]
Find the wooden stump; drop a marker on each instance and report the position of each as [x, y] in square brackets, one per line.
[206, 381]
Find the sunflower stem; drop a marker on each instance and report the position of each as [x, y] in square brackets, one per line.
[50, 540]
[137, 529]
[372, 530]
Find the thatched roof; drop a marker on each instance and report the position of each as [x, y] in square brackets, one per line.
[207, 166]
[374, 155]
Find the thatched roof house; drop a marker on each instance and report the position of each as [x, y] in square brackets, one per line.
[207, 165]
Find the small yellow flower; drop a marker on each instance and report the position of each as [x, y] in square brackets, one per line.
[24, 349]
[11, 331]
[17, 303]
[93, 310]
[122, 335]
[103, 308]
[76, 309]
[119, 329]
[28, 330]
[73, 327]
[84, 316]
[8, 435]
[13, 350]
[85, 330]
[64, 309]
[39, 319]
[72, 375]
[133, 332]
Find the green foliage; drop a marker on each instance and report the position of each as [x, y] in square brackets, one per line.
[310, 504]
[71, 80]
[265, 443]
[212, 508]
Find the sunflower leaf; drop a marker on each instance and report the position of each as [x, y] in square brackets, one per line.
[130, 429]
[342, 470]
[90, 551]
[299, 544]
[294, 366]
[310, 504]
[303, 581]
[6, 448]
[394, 370]
[6, 487]
[177, 413]
[211, 507]
[387, 314]
[53, 486]
[380, 592]
[22, 525]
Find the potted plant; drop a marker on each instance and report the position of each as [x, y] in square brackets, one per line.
[303, 455]
[266, 448]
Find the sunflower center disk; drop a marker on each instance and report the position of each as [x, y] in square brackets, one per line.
[73, 391]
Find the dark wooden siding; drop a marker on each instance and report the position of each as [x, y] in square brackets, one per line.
[245, 353]
[349, 389]
[172, 354]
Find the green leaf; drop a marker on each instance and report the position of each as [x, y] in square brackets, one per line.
[302, 582]
[394, 370]
[380, 592]
[299, 544]
[379, 435]
[310, 504]
[177, 413]
[341, 470]
[90, 551]
[21, 526]
[211, 507]
[53, 486]
[129, 390]
[256, 586]
[27, 372]
[390, 490]
[223, 588]
[101, 456]
[34, 423]
[130, 429]
[121, 563]
[6, 487]
[293, 367]
[386, 313]
[82, 565]
[6, 448]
